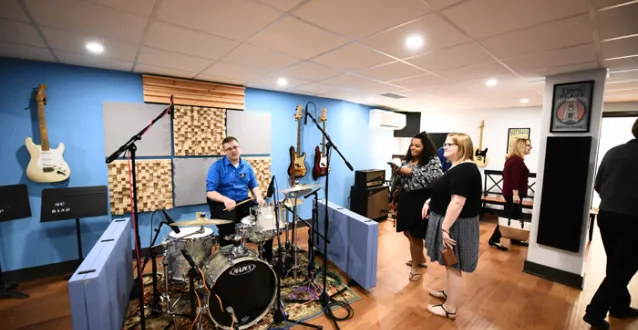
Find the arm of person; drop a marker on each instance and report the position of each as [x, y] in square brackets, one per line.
[599, 176]
[452, 213]
[253, 185]
[212, 184]
[515, 176]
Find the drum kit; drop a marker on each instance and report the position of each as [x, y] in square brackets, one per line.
[239, 287]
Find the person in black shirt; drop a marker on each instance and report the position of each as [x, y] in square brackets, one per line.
[453, 213]
[617, 184]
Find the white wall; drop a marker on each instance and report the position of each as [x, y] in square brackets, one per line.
[382, 145]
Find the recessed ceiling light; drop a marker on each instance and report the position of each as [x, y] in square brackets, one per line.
[524, 100]
[95, 47]
[282, 82]
[491, 82]
[371, 99]
[414, 42]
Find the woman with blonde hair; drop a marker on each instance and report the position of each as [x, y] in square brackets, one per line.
[453, 213]
[515, 185]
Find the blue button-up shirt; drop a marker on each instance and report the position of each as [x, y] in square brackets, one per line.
[230, 181]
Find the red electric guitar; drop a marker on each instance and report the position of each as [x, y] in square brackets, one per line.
[320, 168]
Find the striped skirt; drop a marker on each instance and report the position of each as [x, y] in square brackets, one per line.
[465, 232]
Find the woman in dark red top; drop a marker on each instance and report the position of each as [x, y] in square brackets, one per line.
[515, 176]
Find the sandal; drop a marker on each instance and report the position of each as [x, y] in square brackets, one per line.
[422, 265]
[448, 315]
[439, 294]
[413, 275]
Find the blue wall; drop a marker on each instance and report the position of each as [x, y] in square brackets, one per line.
[74, 117]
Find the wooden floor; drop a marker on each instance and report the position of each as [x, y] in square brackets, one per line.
[497, 296]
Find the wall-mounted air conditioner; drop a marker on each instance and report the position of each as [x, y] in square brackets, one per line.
[386, 119]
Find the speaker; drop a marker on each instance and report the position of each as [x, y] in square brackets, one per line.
[370, 202]
[369, 178]
[565, 177]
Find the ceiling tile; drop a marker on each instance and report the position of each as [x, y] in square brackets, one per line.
[359, 18]
[92, 61]
[187, 41]
[224, 80]
[483, 70]
[625, 85]
[353, 57]
[26, 52]
[259, 58]
[270, 82]
[620, 47]
[238, 74]
[509, 87]
[348, 81]
[88, 18]
[75, 43]
[618, 22]
[151, 69]
[554, 58]
[622, 64]
[621, 98]
[391, 71]
[20, 33]
[170, 60]
[294, 37]
[380, 88]
[550, 71]
[284, 5]
[435, 32]
[573, 31]
[12, 9]
[447, 90]
[237, 19]
[623, 75]
[138, 7]
[455, 57]
[485, 18]
[315, 89]
[420, 81]
[310, 71]
[440, 4]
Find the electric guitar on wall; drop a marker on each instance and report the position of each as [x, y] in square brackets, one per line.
[320, 167]
[46, 165]
[480, 156]
[297, 168]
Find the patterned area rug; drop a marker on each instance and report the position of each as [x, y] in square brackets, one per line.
[293, 288]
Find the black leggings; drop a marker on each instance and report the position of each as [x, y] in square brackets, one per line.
[514, 211]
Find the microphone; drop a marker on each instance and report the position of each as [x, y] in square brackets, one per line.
[231, 311]
[305, 116]
[271, 188]
[170, 221]
[189, 259]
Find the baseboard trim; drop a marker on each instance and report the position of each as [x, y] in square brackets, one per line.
[41, 272]
[553, 274]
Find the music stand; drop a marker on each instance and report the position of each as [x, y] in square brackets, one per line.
[14, 204]
[74, 203]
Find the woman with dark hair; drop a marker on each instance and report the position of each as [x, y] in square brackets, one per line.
[418, 170]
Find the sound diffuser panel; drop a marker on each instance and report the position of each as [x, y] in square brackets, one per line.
[154, 185]
[252, 129]
[198, 131]
[562, 212]
[190, 180]
[123, 120]
[261, 166]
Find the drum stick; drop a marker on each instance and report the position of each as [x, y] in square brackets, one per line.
[242, 202]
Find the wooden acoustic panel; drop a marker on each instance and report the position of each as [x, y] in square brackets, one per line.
[261, 166]
[154, 185]
[192, 92]
[198, 131]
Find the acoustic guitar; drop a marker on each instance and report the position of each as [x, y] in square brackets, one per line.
[46, 165]
[320, 167]
[480, 154]
[297, 167]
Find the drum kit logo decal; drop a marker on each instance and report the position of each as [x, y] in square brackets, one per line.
[243, 269]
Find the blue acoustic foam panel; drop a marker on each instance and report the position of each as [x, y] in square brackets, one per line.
[189, 176]
[354, 241]
[123, 120]
[252, 129]
[99, 289]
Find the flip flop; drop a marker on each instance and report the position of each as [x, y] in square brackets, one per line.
[447, 315]
[423, 265]
[413, 275]
[439, 294]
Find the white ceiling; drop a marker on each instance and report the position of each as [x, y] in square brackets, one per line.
[344, 49]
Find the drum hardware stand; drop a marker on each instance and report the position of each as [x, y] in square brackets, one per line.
[324, 298]
[132, 148]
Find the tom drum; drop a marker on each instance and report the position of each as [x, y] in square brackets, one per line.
[198, 241]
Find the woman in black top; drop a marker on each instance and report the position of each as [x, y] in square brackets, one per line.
[453, 214]
[420, 167]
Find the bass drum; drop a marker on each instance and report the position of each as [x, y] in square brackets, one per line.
[246, 283]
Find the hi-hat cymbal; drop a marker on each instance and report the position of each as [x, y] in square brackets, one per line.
[201, 222]
[293, 202]
[299, 187]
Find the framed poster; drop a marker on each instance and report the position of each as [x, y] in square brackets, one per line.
[516, 133]
[571, 107]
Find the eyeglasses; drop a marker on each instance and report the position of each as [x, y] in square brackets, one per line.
[447, 145]
[231, 149]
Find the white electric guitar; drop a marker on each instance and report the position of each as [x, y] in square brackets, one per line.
[46, 165]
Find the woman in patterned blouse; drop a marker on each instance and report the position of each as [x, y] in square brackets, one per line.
[418, 170]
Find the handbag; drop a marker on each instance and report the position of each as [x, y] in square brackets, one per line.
[515, 229]
[449, 258]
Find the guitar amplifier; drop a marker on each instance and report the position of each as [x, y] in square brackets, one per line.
[369, 178]
[370, 202]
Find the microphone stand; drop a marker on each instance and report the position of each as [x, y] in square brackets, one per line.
[324, 298]
[132, 148]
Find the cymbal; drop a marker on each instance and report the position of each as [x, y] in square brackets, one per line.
[292, 203]
[201, 222]
[299, 187]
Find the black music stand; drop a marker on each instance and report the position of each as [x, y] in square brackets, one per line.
[74, 203]
[14, 204]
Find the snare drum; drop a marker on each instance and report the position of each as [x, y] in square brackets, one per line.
[198, 241]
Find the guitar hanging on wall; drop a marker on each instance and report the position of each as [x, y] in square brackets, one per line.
[297, 167]
[480, 154]
[320, 167]
[46, 165]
